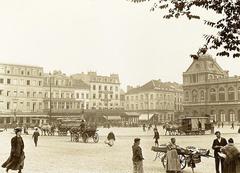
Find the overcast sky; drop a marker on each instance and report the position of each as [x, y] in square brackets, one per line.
[106, 36]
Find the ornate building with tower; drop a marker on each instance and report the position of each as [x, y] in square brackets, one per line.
[209, 90]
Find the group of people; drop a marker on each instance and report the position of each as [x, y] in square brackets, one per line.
[225, 154]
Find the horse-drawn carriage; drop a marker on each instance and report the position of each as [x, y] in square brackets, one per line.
[189, 126]
[85, 133]
[65, 125]
[189, 156]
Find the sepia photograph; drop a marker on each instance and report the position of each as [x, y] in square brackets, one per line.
[120, 86]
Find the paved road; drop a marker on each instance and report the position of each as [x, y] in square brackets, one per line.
[59, 155]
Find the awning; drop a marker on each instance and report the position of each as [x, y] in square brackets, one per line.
[112, 117]
[145, 117]
[132, 113]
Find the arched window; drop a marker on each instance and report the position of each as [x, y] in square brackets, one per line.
[202, 95]
[231, 94]
[194, 96]
[222, 94]
[232, 117]
[212, 94]
[222, 116]
[186, 96]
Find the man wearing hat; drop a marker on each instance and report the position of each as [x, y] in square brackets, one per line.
[35, 136]
[16, 158]
[218, 143]
[137, 157]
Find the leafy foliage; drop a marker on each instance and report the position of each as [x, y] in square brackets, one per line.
[226, 41]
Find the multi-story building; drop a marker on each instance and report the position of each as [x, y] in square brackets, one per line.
[104, 90]
[164, 100]
[21, 93]
[208, 90]
[68, 96]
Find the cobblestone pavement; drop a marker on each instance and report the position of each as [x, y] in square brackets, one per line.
[59, 155]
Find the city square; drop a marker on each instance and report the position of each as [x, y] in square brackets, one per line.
[56, 154]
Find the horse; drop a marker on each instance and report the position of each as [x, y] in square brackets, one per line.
[47, 129]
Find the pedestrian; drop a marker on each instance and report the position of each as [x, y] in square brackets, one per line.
[218, 143]
[5, 127]
[144, 127]
[232, 125]
[173, 162]
[35, 136]
[156, 136]
[16, 158]
[219, 124]
[222, 124]
[137, 157]
[199, 125]
[231, 159]
[110, 139]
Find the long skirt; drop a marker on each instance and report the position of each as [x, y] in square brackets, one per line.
[173, 162]
[14, 162]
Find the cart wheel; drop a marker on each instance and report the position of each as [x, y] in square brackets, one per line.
[96, 138]
[76, 137]
[85, 137]
[182, 161]
[164, 160]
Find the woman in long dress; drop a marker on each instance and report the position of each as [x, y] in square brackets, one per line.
[16, 158]
[173, 162]
[231, 161]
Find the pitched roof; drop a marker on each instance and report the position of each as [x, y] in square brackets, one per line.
[154, 85]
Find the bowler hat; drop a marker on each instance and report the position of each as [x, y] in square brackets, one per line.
[217, 132]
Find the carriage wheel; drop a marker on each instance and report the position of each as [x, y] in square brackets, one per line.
[96, 138]
[182, 161]
[85, 137]
[76, 138]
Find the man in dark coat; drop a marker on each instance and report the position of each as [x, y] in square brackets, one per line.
[35, 136]
[216, 146]
[156, 136]
[16, 159]
[137, 157]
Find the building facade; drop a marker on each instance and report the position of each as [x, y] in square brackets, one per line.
[21, 94]
[104, 90]
[208, 90]
[155, 98]
[68, 96]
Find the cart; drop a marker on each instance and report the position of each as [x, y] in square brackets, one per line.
[189, 156]
[85, 134]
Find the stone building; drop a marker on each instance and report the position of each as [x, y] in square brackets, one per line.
[68, 96]
[21, 94]
[156, 100]
[208, 90]
[104, 90]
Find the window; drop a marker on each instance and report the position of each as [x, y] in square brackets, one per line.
[116, 96]
[202, 95]
[212, 94]
[99, 87]
[34, 94]
[194, 96]
[87, 96]
[186, 96]
[116, 89]
[28, 94]
[28, 73]
[8, 105]
[111, 88]
[94, 96]
[1, 80]
[28, 82]
[1, 92]
[40, 94]
[231, 94]
[77, 95]
[8, 93]
[105, 88]
[94, 87]
[15, 93]
[111, 96]
[100, 95]
[222, 94]
[39, 83]
[8, 81]
[82, 95]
